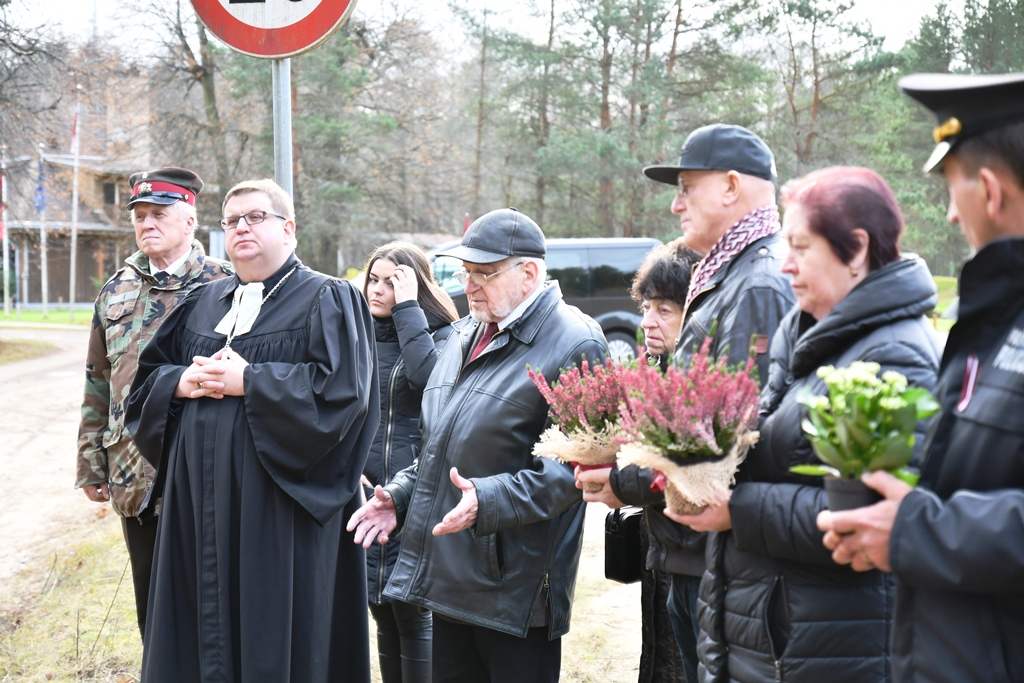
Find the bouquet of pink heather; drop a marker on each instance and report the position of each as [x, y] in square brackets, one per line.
[693, 425]
[584, 407]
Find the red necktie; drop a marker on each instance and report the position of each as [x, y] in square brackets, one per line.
[490, 330]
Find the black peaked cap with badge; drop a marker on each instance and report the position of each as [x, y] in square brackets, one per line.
[720, 147]
[165, 186]
[965, 105]
[497, 235]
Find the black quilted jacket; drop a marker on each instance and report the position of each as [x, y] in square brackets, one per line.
[773, 605]
[407, 349]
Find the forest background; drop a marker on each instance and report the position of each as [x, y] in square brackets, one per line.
[403, 128]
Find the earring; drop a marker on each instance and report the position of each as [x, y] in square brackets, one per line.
[853, 271]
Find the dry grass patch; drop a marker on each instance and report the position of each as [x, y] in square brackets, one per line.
[79, 623]
[14, 350]
[72, 618]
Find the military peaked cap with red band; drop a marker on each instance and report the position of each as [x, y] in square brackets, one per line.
[165, 186]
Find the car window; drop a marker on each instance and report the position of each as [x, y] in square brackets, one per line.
[444, 268]
[569, 267]
[612, 270]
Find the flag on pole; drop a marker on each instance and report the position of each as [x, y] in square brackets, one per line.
[74, 131]
[41, 189]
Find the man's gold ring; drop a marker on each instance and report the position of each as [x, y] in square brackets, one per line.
[199, 384]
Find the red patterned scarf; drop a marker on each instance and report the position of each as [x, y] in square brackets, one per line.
[752, 227]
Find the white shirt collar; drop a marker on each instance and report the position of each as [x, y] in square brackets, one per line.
[518, 311]
[172, 268]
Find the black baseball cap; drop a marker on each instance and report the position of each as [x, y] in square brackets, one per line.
[497, 235]
[720, 147]
[165, 186]
[965, 105]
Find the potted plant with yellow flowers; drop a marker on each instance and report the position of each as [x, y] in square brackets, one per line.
[865, 422]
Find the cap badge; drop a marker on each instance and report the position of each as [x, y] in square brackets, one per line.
[948, 129]
[145, 188]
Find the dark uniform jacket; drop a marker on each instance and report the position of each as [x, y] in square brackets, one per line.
[957, 547]
[406, 353]
[743, 304]
[484, 418]
[773, 605]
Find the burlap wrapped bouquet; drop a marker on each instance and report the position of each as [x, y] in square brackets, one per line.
[693, 425]
[584, 406]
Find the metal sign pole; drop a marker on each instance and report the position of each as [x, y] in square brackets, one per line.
[282, 87]
[74, 205]
[43, 257]
[7, 239]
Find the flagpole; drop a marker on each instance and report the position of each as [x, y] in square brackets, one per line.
[41, 206]
[7, 241]
[75, 143]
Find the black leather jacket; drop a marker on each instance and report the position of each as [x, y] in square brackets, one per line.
[484, 417]
[957, 546]
[407, 350]
[746, 297]
[773, 605]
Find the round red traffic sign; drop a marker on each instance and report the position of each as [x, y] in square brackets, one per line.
[273, 28]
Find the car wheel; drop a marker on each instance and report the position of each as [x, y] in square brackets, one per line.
[621, 347]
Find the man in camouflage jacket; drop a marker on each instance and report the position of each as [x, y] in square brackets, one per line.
[128, 311]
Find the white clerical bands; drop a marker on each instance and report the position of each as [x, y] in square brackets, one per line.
[245, 306]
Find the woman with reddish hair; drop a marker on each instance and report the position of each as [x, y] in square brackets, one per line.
[773, 606]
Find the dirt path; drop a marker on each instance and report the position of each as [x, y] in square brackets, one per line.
[42, 512]
[39, 409]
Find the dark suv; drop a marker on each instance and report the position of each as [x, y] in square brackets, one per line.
[594, 273]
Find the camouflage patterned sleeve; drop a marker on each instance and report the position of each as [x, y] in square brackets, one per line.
[92, 457]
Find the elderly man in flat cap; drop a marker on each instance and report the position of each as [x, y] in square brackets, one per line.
[955, 544]
[128, 311]
[491, 533]
[726, 181]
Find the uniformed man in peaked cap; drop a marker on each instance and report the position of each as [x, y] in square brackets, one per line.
[955, 544]
[128, 310]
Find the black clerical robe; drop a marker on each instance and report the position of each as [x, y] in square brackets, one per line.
[254, 576]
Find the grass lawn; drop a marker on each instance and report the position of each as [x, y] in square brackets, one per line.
[947, 292]
[83, 315]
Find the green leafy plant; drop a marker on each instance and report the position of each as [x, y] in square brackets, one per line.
[865, 423]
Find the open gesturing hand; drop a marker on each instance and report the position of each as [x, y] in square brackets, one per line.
[463, 515]
[375, 520]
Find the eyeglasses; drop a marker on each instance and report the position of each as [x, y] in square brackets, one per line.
[480, 279]
[251, 218]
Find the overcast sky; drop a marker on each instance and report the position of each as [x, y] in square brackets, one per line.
[896, 19]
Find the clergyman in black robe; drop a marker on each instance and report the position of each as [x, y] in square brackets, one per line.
[258, 415]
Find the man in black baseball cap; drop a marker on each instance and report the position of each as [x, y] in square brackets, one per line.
[481, 418]
[720, 147]
[725, 199]
[955, 544]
